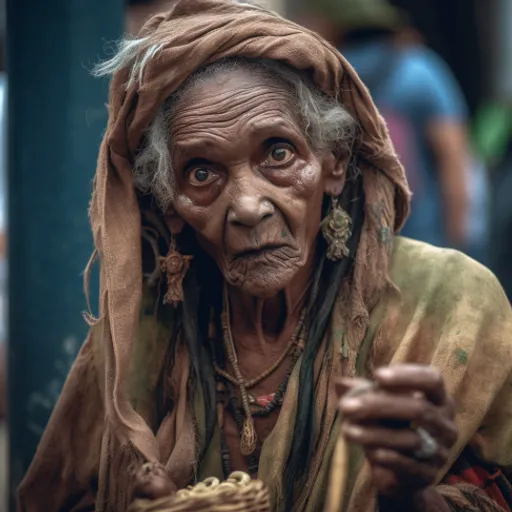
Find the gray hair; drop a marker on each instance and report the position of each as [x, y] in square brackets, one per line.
[326, 123]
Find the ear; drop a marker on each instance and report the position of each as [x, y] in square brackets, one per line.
[174, 222]
[335, 172]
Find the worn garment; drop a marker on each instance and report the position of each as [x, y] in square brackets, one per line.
[477, 476]
[446, 310]
[131, 397]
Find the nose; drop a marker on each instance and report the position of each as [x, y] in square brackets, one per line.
[250, 211]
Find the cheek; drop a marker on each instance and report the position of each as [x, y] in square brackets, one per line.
[308, 182]
[199, 218]
[203, 196]
[305, 204]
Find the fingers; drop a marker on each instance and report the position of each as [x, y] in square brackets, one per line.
[390, 485]
[344, 385]
[372, 437]
[410, 378]
[406, 470]
[443, 429]
[415, 380]
[404, 441]
[385, 421]
[380, 408]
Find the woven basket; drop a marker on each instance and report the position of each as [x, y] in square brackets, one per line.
[238, 494]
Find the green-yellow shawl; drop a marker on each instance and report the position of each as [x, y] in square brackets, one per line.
[446, 310]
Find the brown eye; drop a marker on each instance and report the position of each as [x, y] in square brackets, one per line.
[279, 155]
[201, 176]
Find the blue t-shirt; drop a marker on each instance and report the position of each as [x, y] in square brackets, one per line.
[412, 86]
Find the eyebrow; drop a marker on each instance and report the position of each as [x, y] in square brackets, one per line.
[194, 162]
[267, 128]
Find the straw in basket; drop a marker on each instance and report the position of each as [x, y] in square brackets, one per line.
[237, 494]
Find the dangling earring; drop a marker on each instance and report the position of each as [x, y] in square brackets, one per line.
[175, 266]
[337, 229]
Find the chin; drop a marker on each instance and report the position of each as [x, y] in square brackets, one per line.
[264, 283]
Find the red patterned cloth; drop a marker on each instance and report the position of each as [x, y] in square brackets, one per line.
[470, 469]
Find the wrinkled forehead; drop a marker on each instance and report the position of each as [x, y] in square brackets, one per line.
[237, 107]
[224, 88]
[234, 100]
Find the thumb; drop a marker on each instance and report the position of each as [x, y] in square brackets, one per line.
[343, 385]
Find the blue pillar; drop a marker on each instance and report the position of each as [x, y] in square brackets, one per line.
[56, 118]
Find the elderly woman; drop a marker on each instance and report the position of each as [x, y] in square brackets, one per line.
[245, 208]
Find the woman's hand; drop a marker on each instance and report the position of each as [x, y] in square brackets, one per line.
[152, 483]
[405, 426]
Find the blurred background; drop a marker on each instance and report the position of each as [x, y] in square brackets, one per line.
[439, 70]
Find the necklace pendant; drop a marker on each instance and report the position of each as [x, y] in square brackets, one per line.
[249, 438]
[264, 400]
[261, 401]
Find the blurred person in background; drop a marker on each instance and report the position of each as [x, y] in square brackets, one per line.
[493, 141]
[426, 114]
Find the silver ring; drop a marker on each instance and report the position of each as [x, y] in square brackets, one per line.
[428, 445]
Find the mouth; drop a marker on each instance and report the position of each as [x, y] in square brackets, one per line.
[258, 252]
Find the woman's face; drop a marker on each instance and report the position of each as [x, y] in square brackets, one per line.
[247, 181]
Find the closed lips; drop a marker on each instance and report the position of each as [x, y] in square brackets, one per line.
[258, 251]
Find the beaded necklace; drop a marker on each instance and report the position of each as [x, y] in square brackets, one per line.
[251, 407]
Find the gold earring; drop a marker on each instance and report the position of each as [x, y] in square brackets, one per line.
[337, 229]
[175, 266]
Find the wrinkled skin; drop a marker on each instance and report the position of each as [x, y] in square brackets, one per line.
[252, 188]
[152, 483]
[248, 182]
[379, 421]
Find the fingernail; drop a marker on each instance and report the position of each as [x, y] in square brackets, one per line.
[350, 404]
[385, 373]
[352, 431]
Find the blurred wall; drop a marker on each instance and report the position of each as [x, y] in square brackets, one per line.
[502, 76]
[57, 116]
